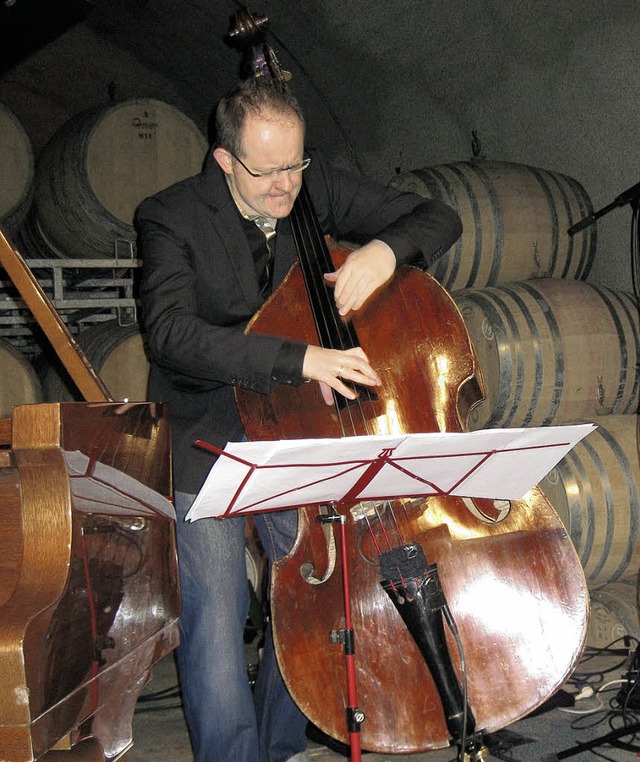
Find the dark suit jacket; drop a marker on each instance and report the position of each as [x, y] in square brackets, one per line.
[199, 289]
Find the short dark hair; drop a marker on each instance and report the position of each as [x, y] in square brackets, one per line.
[251, 97]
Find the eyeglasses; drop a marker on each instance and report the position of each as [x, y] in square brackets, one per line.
[299, 166]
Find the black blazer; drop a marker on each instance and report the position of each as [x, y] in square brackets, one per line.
[199, 289]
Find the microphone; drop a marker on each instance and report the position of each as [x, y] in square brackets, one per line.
[626, 197]
[629, 195]
[584, 223]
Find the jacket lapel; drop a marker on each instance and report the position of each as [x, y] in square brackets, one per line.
[227, 231]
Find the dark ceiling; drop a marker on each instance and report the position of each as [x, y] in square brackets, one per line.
[158, 33]
[28, 25]
[185, 42]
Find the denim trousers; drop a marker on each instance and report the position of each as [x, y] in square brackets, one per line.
[226, 721]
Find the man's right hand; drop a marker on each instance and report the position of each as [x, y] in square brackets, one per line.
[331, 367]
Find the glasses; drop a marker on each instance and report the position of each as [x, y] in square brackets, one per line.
[299, 166]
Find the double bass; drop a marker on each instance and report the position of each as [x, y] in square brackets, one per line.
[89, 596]
[465, 614]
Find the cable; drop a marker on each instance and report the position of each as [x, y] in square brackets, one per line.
[144, 709]
[159, 695]
[590, 710]
[580, 678]
[590, 745]
[635, 247]
[588, 692]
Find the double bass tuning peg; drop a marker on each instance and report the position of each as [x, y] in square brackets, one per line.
[247, 29]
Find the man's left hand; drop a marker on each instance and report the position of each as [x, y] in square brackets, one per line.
[363, 271]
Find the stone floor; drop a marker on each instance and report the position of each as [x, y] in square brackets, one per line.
[160, 733]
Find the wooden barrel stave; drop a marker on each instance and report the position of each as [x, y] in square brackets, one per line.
[614, 612]
[16, 171]
[118, 355]
[595, 489]
[98, 167]
[515, 219]
[19, 383]
[553, 350]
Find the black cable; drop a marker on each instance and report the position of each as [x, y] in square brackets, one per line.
[588, 722]
[171, 692]
[635, 247]
[601, 755]
[593, 743]
[592, 651]
[143, 709]
[582, 678]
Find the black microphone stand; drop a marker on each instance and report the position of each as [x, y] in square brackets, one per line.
[624, 198]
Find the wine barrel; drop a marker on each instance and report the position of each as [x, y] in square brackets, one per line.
[515, 221]
[19, 383]
[99, 166]
[118, 355]
[614, 612]
[595, 490]
[552, 351]
[16, 171]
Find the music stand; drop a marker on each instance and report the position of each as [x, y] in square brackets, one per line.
[255, 477]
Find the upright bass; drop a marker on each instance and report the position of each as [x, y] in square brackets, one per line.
[503, 577]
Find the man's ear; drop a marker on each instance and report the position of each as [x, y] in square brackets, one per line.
[223, 157]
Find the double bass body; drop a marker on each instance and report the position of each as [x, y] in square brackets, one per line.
[512, 580]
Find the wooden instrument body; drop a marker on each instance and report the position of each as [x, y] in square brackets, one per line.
[515, 587]
[89, 595]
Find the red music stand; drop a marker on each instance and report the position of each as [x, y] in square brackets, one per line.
[255, 477]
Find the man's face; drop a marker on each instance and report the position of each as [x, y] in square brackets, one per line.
[267, 143]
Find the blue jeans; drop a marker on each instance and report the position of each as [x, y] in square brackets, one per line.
[223, 721]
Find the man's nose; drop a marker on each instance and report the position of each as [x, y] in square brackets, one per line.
[284, 181]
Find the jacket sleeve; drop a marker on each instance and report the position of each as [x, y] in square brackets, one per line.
[358, 209]
[193, 311]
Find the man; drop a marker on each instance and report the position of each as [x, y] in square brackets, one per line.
[208, 266]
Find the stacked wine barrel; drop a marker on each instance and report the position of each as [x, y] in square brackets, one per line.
[118, 355]
[95, 170]
[78, 204]
[552, 349]
[16, 170]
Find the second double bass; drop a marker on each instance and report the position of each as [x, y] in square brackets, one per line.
[509, 575]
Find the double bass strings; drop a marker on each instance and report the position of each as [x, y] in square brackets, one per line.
[415, 591]
[333, 332]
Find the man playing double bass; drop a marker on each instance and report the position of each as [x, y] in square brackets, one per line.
[214, 247]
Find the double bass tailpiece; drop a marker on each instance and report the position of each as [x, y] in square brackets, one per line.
[413, 585]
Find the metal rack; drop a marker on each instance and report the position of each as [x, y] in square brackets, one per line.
[83, 292]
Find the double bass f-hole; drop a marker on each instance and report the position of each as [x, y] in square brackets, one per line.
[308, 569]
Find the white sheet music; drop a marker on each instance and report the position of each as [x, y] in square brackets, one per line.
[252, 477]
[96, 486]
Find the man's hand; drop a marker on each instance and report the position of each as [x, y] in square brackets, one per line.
[364, 271]
[330, 367]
